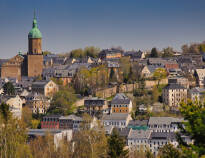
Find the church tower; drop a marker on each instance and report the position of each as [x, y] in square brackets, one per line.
[34, 55]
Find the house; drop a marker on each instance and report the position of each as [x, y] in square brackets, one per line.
[38, 103]
[135, 55]
[70, 122]
[171, 64]
[121, 104]
[47, 88]
[48, 73]
[95, 105]
[120, 120]
[58, 135]
[88, 60]
[15, 105]
[174, 94]
[164, 124]
[145, 72]
[175, 72]
[148, 70]
[200, 77]
[63, 74]
[112, 53]
[139, 139]
[158, 139]
[196, 94]
[50, 122]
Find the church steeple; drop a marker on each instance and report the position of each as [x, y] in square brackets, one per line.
[34, 38]
[34, 20]
[35, 32]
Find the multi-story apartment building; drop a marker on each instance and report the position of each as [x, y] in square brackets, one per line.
[112, 53]
[116, 119]
[50, 122]
[174, 94]
[164, 124]
[70, 122]
[138, 139]
[47, 88]
[121, 104]
[158, 140]
[38, 103]
[94, 105]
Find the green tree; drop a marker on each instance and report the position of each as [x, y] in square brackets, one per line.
[168, 52]
[116, 146]
[91, 51]
[9, 88]
[194, 127]
[112, 73]
[5, 112]
[154, 53]
[125, 67]
[169, 151]
[62, 102]
[159, 74]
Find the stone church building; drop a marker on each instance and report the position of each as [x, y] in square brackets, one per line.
[31, 64]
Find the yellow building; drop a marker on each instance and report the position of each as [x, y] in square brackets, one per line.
[121, 104]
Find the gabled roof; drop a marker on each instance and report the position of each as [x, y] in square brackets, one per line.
[163, 135]
[115, 116]
[174, 86]
[39, 84]
[120, 98]
[200, 72]
[164, 120]
[123, 132]
[139, 134]
[197, 90]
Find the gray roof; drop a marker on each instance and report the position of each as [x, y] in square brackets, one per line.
[164, 120]
[123, 132]
[115, 116]
[174, 86]
[94, 101]
[197, 90]
[70, 117]
[39, 84]
[138, 123]
[120, 98]
[163, 135]
[139, 134]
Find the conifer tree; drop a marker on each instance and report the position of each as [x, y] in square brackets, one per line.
[116, 146]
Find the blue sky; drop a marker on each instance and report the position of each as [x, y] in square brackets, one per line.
[132, 24]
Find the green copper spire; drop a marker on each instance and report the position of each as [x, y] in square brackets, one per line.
[35, 32]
